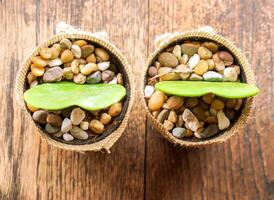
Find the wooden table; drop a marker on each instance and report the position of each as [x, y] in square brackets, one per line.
[142, 164]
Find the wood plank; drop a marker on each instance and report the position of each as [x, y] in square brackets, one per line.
[33, 170]
[241, 168]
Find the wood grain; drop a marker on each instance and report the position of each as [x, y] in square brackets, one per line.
[241, 168]
[142, 164]
[33, 170]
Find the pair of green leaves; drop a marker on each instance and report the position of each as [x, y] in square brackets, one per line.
[56, 96]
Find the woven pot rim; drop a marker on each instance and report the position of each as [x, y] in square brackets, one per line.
[106, 143]
[169, 39]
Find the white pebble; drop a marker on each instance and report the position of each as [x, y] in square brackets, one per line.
[76, 50]
[230, 74]
[149, 90]
[103, 65]
[193, 61]
[84, 125]
[113, 81]
[178, 132]
[55, 62]
[223, 121]
[68, 137]
[66, 125]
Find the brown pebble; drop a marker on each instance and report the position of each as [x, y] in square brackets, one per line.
[191, 102]
[152, 71]
[168, 125]
[96, 126]
[115, 109]
[175, 102]
[208, 98]
[54, 120]
[217, 104]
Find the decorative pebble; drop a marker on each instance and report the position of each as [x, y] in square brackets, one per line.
[162, 116]
[51, 129]
[76, 50]
[208, 98]
[45, 53]
[152, 71]
[54, 120]
[156, 101]
[213, 47]
[195, 77]
[223, 121]
[75, 66]
[113, 81]
[40, 116]
[217, 104]
[190, 48]
[96, 126]
[86, 50]
[115, 109]
[37, 71]
[177, 51]
[38, 61]
[105, 118]
[79, 78]
[168, 125]
[212, 76]
[100, 52]
[65, 43]
[77, 115]
[78, 133]
[80, 43]
[193, 61]
[179, 132]
[191, 102]
[180, 121]
[89, 68]
[68, 137]
[54, 74]
[209, 131]
[204, 53]
[55, 50]
[55, 62]
[91, 58]
[67, 73]
[184, 59]
[120, 79]
[191, 120]
[201, 67]
[84, 125]
[226, 57]
[103, 65]
[94, 78]
[211, 64]
[230, 74]
[172, 117]
[219, 64]
[167, 59]
[66, 125]
[67, 56]
[107, 75]
[175, 102]
[149, 90]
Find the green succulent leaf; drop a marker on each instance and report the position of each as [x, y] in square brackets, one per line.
[232, 90]
[55, 96]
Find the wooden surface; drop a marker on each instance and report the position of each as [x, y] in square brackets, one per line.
[142, 164]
